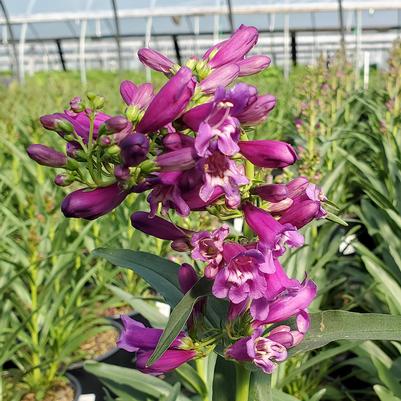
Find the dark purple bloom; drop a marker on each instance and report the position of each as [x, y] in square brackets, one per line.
[172, 141]
[92, 203]
[208, 247]
[135, 337]
[272, 192]
[158, 227]
[134, 149]
[170, 102]
[46, 156]
[136, 95]
[233, 49]
[156, 60]
[187, 277]
[177, 160]
[268, 153]
[116, 124]
[170, 360]
[122, 173]
[252, 65]
[51, 121]
[261, 351]
[272, 235]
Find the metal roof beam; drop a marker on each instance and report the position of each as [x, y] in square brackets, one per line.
[206, 10]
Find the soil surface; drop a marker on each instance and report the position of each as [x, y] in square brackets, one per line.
[60, 391]
[100, 344]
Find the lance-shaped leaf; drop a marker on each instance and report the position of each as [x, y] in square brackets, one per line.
[331, 326]
[179, 316]
[160, 273]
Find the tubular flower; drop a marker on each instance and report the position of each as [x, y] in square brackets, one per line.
[135, 337]
[90, 204]
[136, 95]
[261, 351]
[169, 103]
[156, 61]
[273, 236]
[267, 153]
[134, 149]
[46, 156]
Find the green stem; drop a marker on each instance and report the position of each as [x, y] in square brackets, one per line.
[243, 376]
[35, 322]
[200, 367]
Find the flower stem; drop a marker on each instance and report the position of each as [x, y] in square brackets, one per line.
[243, 376]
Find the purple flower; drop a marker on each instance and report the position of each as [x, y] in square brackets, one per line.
[272, 235]
[134, 149]
[51, 121]
[258, 110]
[290, 302]
[81, 123]
[259, 350]
[240, 278]
[135, 337]
[208, 247]
[159, 228]
[187, 277]
[170, 360]
[234, 49]
[92, 203]
[172, 141]
[169, 103]
[221, 76]
[252, 65]
[136, 95]
[116, 124]
[268, 153]
[306, 203]
[272, 192]
[122, 173]
[177, 160]
[155, 60]
[220, 171]
[46, 156]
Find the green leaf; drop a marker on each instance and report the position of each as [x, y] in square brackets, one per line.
[161, 274]
[279, 395]
[191, 376]
[175, 392]
[384, 394]
[179, 316]
[332, 217]
[260, 387]
[331, 326]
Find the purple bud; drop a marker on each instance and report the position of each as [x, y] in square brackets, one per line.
[50, 121]
[301, 213]
[170, 102]
[181, 245]
[187, 277]
[268, 153]
[271, 192]
[297, 186]
[47, 156]
[62, 180]
[116, 124]
[236, 47]
[158, 227]
[155, 60]
[90, 204]
[134, 149]
[72, 149]
[122, 173]
[222, 76]
[172, 141]
[252, 65]
[136, 95]
[177, 160]
[76, 104]
[257, 111]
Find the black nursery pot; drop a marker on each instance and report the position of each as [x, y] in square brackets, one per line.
[133, 315]
[75, 385]
[89, 383]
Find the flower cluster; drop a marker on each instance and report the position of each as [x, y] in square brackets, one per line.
[187, 147]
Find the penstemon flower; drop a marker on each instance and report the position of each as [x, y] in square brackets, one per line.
[186, 147]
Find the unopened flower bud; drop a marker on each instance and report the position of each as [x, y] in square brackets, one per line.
[64, 126]
[105, 141]
[46, 156]
[181, 245]
[91, 96]
[77, 105]
[74, 150]
[271, 192]
[133, 113]
[148, 166]
[113, 150]
[134, 149]
[187, 277]
[98, 102]
[122, 173]
[63, 180]
[116, 124]
[50, 121]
